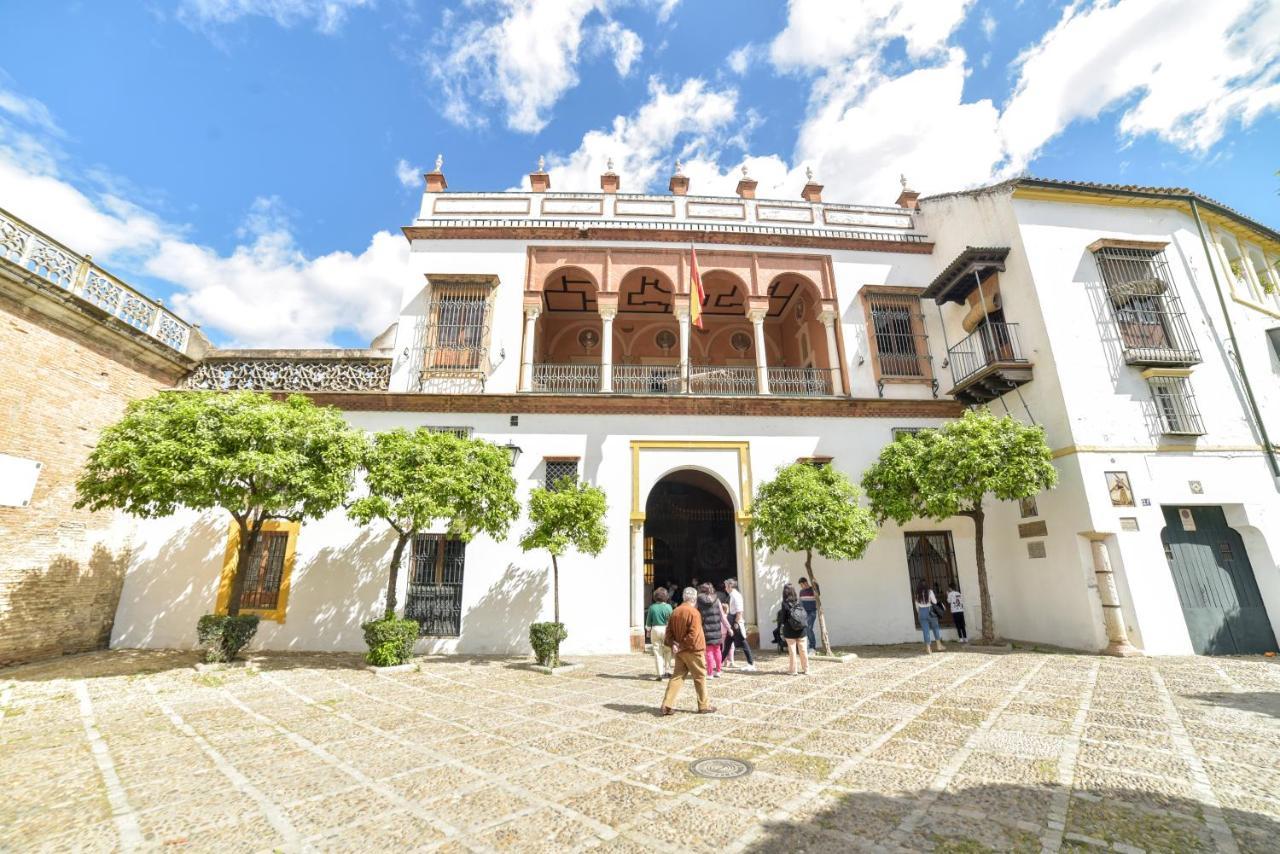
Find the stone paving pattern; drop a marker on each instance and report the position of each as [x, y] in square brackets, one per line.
[959, 752]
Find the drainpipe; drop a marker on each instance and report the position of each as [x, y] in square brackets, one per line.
[1235, 348]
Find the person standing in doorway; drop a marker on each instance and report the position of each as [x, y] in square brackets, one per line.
[712, 627]
[655, 620]
[736, 631]
[956, 603]
[926, 600]
[809, 599]
[684, 636]
[792, 625]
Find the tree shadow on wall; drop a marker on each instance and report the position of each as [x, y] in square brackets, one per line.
[972, 816]
[500, 619]
[321, 599]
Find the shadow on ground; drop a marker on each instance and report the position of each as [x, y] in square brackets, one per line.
[961, 819]
[1257, 702]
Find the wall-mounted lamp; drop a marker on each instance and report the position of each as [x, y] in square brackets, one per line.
[513, 450]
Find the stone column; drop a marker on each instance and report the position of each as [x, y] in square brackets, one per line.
[682, 315]
[637, 585]
[756, 316]
[607, 314]
[828, 318]
[1112, 617]
[531, 313]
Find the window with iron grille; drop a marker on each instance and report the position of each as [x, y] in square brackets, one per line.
[457, 326]
[434, 597]
[899, 432]
[931, 557]
[1153, 326]
[1176, 405]
[816, 462]
[897, 335]
[557, 469]
[265, 572]
[460, 432]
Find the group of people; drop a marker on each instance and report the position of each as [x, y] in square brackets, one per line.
[930, 613]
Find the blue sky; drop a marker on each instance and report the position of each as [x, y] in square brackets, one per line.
[252, 160]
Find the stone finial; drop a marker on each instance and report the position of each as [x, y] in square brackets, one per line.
[539, 180]
[435, 178]
[542, 163]
[808, 174]
[746, 186]
[679, 183]
[812, 191]
[609, 181]
[908, 198]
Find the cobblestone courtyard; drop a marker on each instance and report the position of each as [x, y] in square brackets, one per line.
[962, 751]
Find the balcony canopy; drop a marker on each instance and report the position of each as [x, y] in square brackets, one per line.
[957, 281]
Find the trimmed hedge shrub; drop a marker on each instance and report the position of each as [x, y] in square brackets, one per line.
[545, 639]
[223, 637]
[390, 641]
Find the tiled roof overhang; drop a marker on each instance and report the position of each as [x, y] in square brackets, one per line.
[956, 282]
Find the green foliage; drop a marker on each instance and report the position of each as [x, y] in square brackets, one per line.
[945, 472]
[569, 516]
[390, 641]
[223, 637]
[545, 638]
[241, 451]
[808, 508]
[416, 478]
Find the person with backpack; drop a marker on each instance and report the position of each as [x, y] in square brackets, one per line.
[956, 603]
[793, 624]
[712, 627]
[927, 608]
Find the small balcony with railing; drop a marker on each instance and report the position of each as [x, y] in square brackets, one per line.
[1146, 308]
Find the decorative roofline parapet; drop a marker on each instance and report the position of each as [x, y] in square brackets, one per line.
[33, 251]
[334, 370]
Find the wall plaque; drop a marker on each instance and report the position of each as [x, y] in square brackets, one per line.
[1033, 529]
[17, 480]
[1197, 488]
[1128, 523]
[1119, 489]
[1027, 507]
[1035, 549]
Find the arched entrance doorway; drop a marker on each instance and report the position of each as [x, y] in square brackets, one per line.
[690, 532]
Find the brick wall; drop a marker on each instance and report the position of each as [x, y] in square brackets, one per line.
[63, 377]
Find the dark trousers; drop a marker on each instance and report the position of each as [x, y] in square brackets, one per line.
[738, 637]
[957, 617]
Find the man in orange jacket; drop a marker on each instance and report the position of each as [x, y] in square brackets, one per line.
[684, 636]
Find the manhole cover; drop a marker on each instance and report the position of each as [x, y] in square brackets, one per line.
[720, 768]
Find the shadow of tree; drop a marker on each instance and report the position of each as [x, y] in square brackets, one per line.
[64, 608]
[975, 817]
[509, 606]
[1255, 702]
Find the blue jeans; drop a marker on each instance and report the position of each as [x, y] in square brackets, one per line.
[929, 621]
[811, 609]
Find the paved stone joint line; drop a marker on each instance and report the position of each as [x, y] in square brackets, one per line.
[961, 751]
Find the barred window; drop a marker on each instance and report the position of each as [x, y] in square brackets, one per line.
[557, 469]
[457, 329]
[434, 595]
[1153, 325]
[460, 432]
[1176, 405]
[899, 432]
[816, 462]
[897, 334]
[265, 572]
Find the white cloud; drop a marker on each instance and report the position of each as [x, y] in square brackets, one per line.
[265, 293]
[740, 59]
[988, 25]
[688, 122]
[328, 15]
[820, 33]
[665, 9]
[1183, 70]
[622, 44]
[408, 174]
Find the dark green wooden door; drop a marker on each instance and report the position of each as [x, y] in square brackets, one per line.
[1215, 582]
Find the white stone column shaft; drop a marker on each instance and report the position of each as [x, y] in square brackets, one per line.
[682, 315]
[607, 314]
[531, 313]
[1112, 617]
[756, 316]
[828, 318]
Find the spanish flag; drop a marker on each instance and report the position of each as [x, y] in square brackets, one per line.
[696, 295]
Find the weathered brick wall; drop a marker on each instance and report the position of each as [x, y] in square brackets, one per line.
[60, 570]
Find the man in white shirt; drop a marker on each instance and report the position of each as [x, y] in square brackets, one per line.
[736, 636]
[956, 603]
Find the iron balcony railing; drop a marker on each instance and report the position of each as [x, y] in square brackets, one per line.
[722, 379]
[646, 379]
[571, 379]
[800, 382]
[989, 344]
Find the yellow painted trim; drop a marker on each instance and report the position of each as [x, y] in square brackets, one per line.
[1255, 306]
[1151, 449]
[744, 465]
[1165, 372]
[286, 575]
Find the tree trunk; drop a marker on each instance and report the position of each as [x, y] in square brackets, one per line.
[817, 596]
[555, 586]
[395, 575]
[984, 591]
[249, 533]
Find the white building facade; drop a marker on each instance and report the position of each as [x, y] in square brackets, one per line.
[559, 325]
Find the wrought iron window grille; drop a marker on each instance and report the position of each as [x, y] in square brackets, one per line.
[557, 470]
[456, 333]
[434, 595]
[265, 571]
[1176, 406]
[1145, 305]
[931, 557]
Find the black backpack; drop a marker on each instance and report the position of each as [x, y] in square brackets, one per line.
[797, 618]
